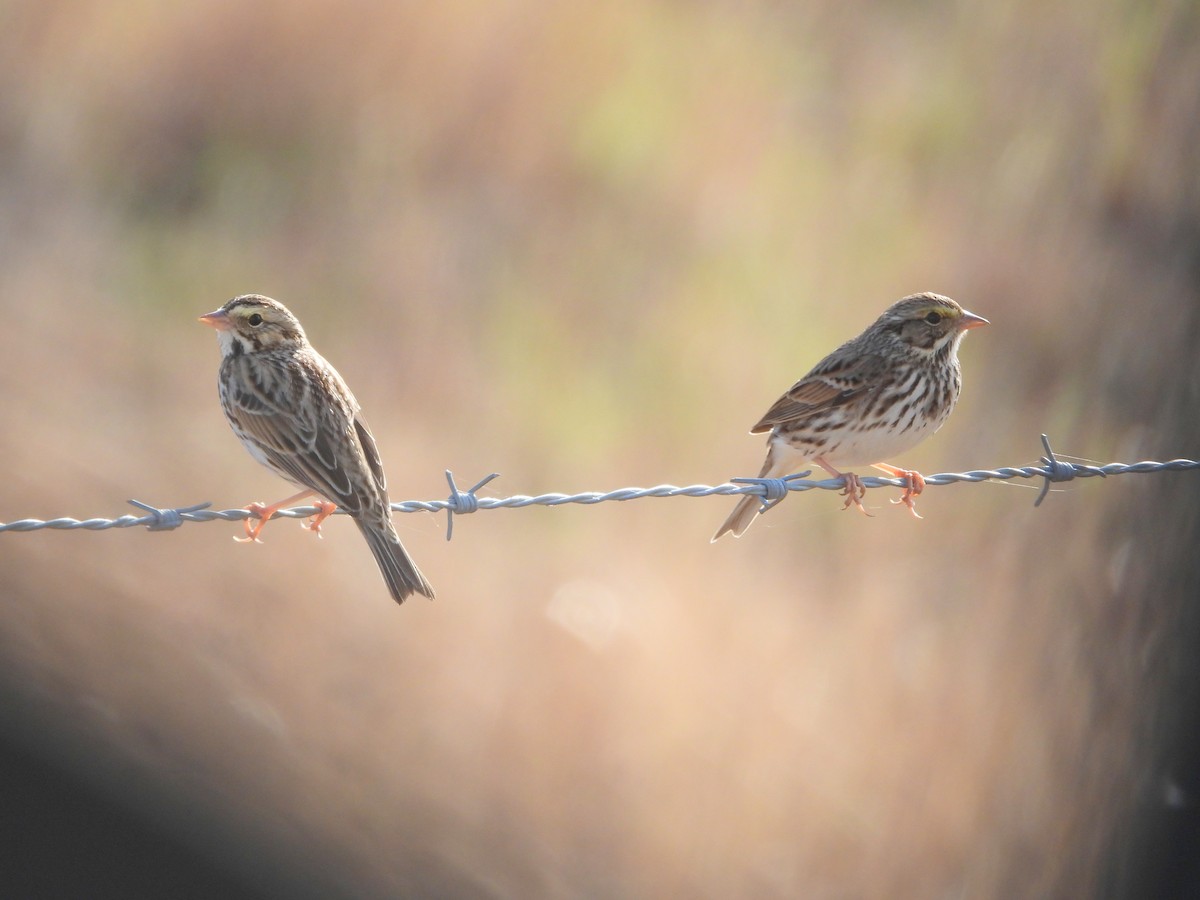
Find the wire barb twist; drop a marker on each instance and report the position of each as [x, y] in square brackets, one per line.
[772, 491]
[166, 519]
[462, 502]
[1057, 470]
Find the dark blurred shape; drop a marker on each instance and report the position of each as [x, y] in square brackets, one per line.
[63, 838]
[1152, 224]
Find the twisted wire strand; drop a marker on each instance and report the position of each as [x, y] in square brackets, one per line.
[772, 490]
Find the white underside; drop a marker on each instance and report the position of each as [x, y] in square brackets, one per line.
[857, 449]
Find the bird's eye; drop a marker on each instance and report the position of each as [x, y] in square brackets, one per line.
[254, 319]
[934, 317]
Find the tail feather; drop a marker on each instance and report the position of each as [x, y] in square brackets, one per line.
[400, 573]
[781, 460]
[739, 520]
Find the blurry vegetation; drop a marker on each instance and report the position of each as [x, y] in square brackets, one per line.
[586, 246]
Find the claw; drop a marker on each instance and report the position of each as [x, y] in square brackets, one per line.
[324, 511]
[264, 514]
[914, 483]
[854, 492]
[254, 529]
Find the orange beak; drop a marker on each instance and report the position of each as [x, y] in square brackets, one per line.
[218, 319]
[970, 320]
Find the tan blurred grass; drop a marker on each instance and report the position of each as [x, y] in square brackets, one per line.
[586, 249]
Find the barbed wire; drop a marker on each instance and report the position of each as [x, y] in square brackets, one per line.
[1052, 470]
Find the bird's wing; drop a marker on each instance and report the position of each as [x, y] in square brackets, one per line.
[370, 452]
[315, 445]
[836, 379]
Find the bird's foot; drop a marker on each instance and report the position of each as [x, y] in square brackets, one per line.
[324, 511]
[914, 483]
[854, 493]
[254, 529]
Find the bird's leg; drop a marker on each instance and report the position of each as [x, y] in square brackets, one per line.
[914, 484]
[325, 509]
[264, 513]
[854, 490]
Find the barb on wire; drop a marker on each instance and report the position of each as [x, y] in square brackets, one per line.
[774, 489]
[1052, 471]
[166, 519]
[462, 502]
[1057, 470]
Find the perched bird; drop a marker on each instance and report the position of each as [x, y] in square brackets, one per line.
[292, 411]
[875, 396]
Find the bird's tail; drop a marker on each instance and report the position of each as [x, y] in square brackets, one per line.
[780, 461]
[739, 520]
[401, 574]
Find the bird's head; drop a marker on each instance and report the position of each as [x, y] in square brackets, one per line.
[252, 322]
[928, 323]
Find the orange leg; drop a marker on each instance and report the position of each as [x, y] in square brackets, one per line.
[915, 483]
[854, 491]
[264, 513]
[324, 511]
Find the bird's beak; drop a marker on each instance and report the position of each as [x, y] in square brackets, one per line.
[968, 320]
[218, 319]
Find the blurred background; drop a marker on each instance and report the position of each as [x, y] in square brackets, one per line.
[586, 246]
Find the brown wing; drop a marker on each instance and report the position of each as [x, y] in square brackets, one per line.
[371, 453]
[315, 444]
[835, 380]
